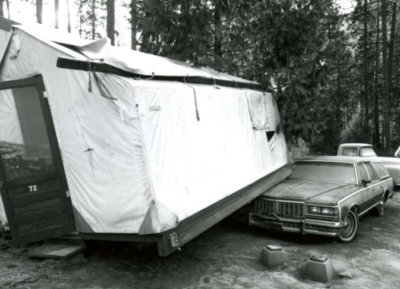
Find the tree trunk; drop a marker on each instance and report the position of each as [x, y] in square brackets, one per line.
[68, 16]
[376, 94]
[386, 111]
[329, 19]
[8, 9]
[56, 12]
[218, 35]
[80, 17]
[111, 21]
[93, 19]
[366, 119]
[1, 8]
[39, 11]
[339, 88]
[391, 50]
[134, 23]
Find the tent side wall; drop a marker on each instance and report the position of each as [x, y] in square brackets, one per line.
[99, 138]
[196, 162]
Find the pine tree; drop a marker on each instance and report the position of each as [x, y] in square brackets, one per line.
[134, 23]
[39, 11]
[111, 21]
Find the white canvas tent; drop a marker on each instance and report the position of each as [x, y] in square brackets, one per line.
[147, 144]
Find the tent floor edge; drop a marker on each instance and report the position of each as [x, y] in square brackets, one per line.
[173, 239]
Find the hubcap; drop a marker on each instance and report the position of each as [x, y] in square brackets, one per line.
[348, 227]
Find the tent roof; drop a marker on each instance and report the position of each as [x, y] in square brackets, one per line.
[106, 58]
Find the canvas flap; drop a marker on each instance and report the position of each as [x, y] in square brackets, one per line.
[263, 111]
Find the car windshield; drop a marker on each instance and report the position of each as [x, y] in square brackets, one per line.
[325, 171]
[367, 152]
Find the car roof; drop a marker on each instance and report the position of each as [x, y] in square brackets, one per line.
[339, 159]
[356, 145]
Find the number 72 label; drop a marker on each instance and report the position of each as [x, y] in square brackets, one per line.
[33, 188]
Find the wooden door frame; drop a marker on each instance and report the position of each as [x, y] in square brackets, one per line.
[38, 83]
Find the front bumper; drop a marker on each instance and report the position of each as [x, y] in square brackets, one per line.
[303, 226]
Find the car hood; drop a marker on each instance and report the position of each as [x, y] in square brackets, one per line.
[310, 191]
[389, 160]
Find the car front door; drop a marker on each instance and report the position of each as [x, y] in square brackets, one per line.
[367, 192]
[32, 180]
[375, 190]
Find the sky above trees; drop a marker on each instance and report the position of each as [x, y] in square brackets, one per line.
[24, 12]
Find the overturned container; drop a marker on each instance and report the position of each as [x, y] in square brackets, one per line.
[122, 145]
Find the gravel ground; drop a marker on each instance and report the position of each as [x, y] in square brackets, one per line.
[226, 256]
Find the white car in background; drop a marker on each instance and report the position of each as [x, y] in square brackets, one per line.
[367, 150]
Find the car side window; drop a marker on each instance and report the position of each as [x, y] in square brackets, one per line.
[367, 152]
[370, 172]
[363, 172]
[349, 152]
[380, 170]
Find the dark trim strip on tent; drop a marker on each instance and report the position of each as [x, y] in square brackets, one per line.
[106, 68]
[6, 24]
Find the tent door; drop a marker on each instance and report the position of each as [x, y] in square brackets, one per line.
[33, 184]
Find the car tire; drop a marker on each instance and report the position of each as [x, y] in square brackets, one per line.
[350, 229]
[379, 210]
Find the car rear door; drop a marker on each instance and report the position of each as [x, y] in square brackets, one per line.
[33, 185]
[383, 175]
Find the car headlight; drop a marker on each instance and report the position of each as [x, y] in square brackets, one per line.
[327, 211]
[315, 210]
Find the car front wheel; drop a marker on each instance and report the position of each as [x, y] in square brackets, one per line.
[350, 228]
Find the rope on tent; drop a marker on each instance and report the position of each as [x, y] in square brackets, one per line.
[140, 77]
[195, 98]
[152, 76]
[90, 76]
[90, 70]
[104, 92]
[215, 85]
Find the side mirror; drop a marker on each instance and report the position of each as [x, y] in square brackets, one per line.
[366, 181]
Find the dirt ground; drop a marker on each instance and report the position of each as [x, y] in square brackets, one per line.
[226, 256]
